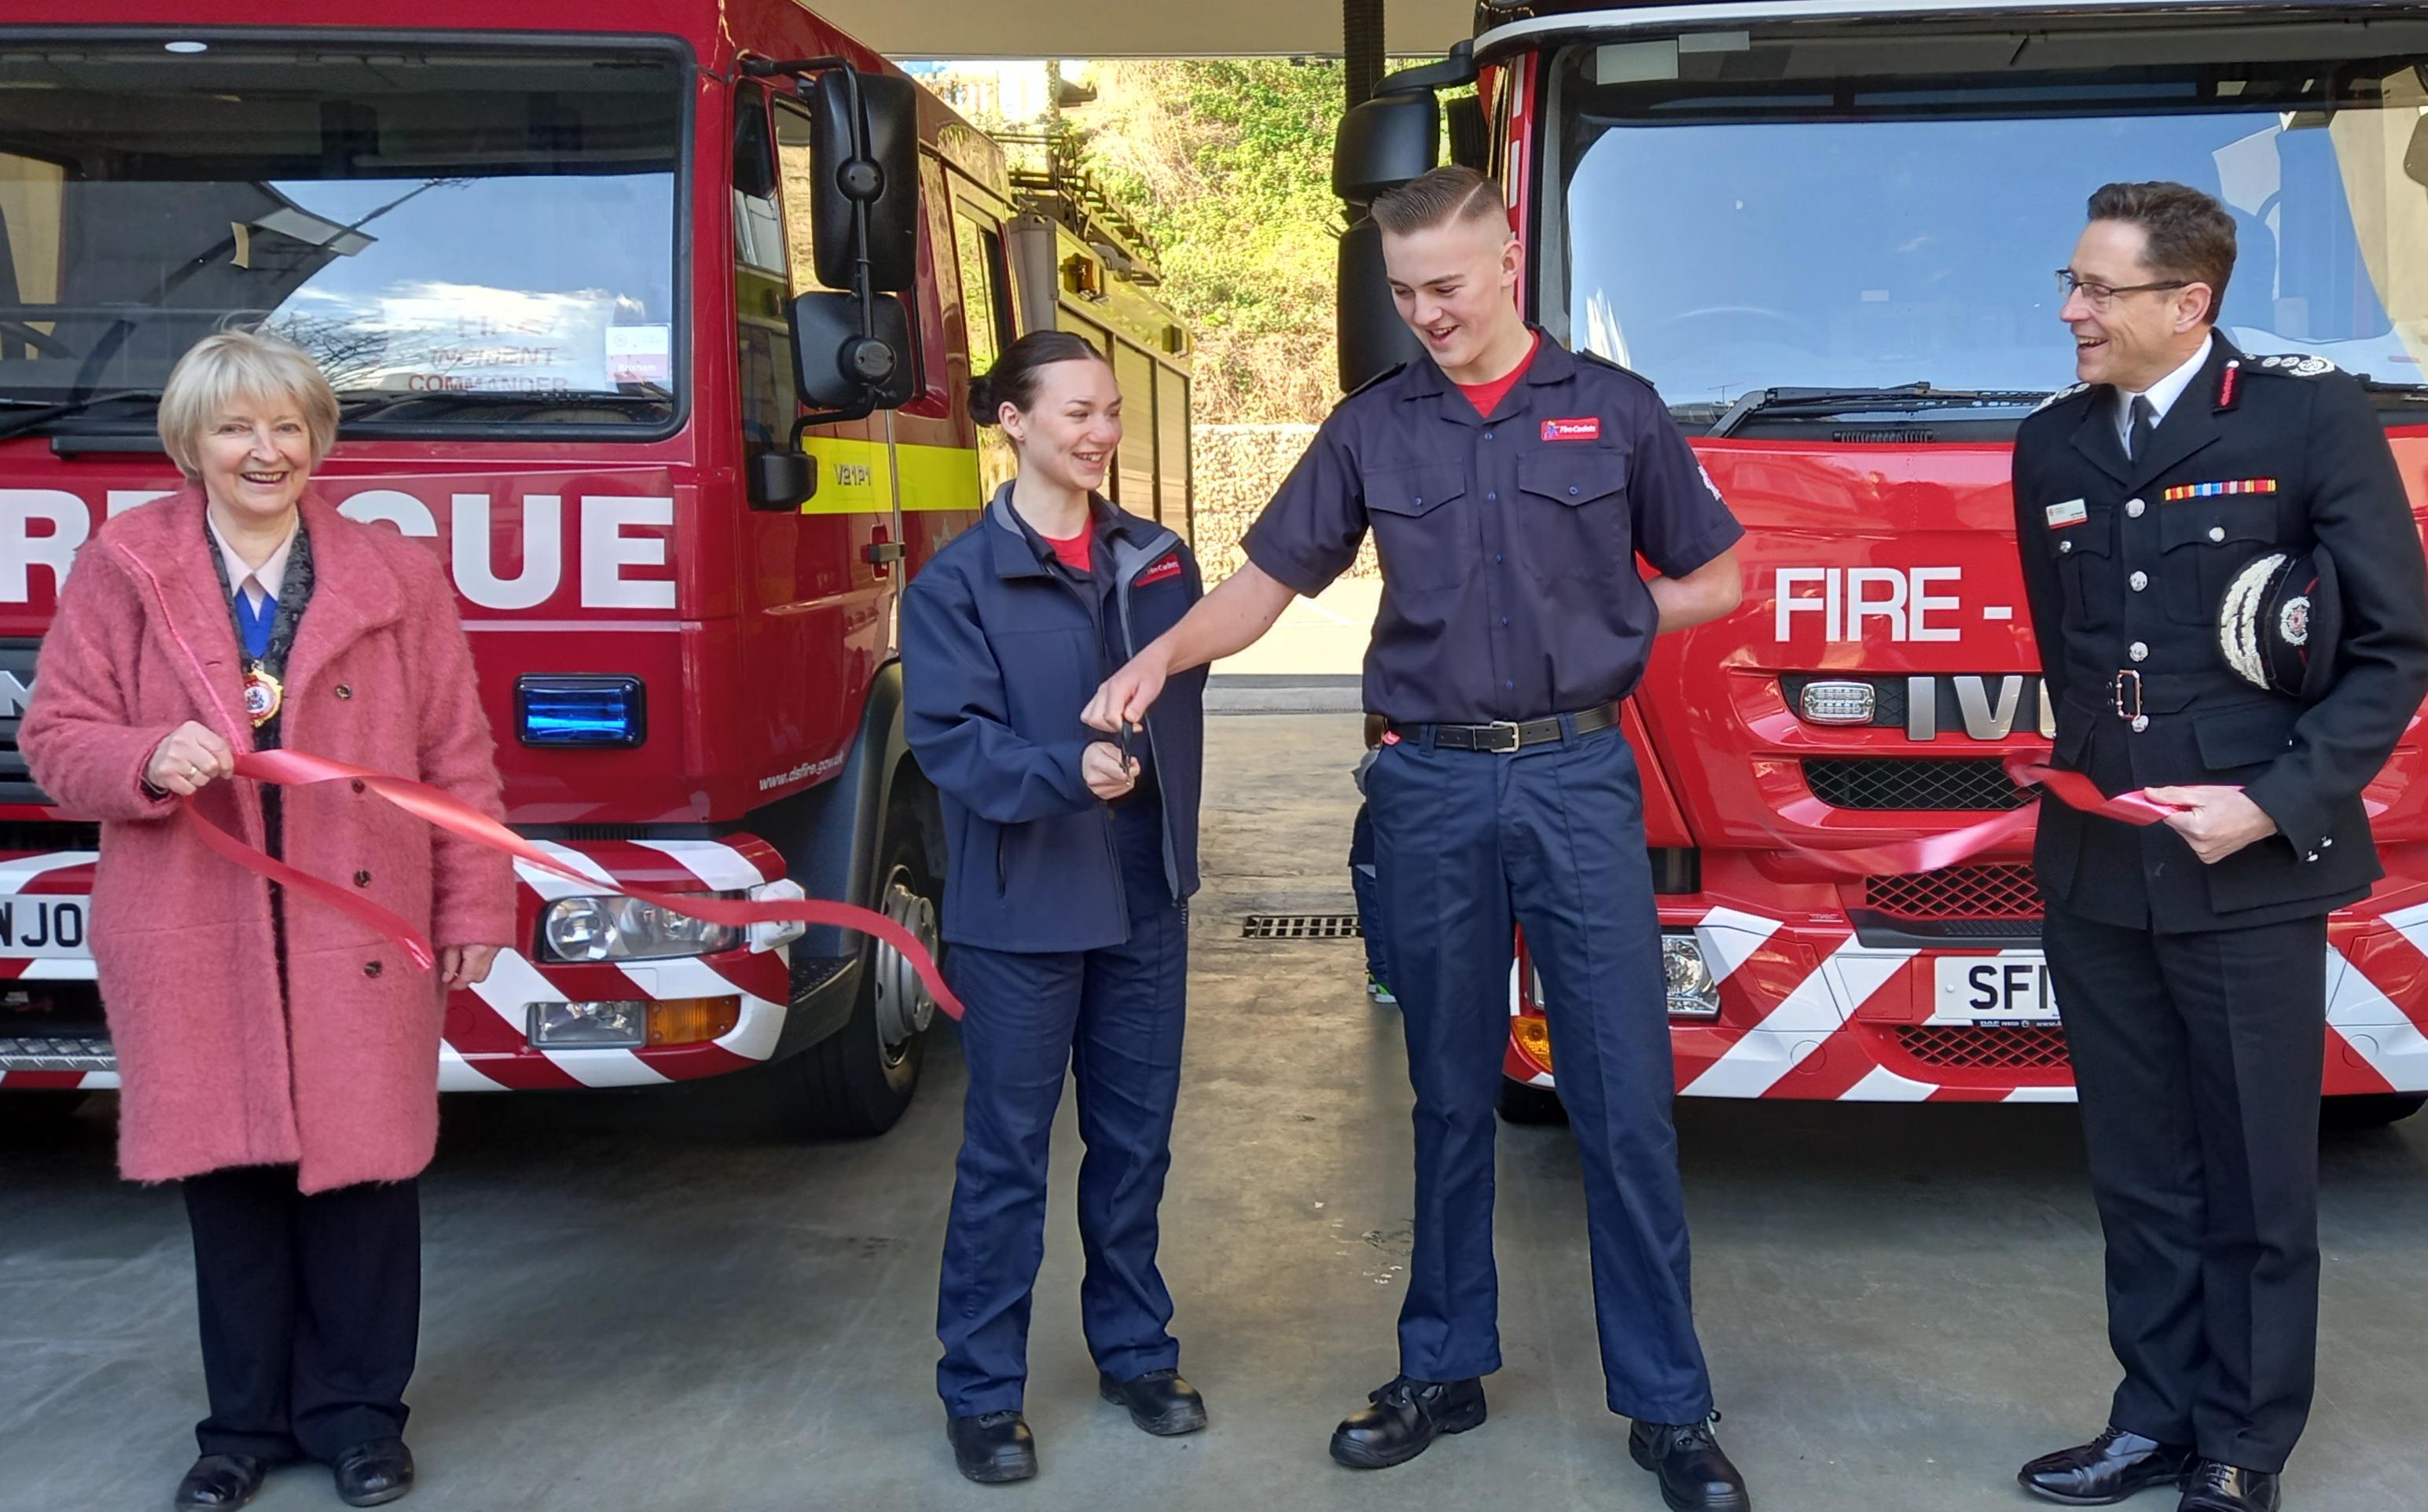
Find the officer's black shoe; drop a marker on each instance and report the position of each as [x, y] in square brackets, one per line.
[2108, 1469]
[993, 1447]
[374, 1473]
[220, 1482]
[2215, 1488]
[1159, 1401]
[1404, 1420]
[1695, 1474]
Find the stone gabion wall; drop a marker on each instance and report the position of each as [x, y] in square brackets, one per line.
[1238, 468]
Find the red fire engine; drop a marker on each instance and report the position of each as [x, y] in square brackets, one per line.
[656, 322]
[1825, 229]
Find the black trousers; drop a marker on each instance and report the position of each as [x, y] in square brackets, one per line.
[311, 1310]
[2198, 1058]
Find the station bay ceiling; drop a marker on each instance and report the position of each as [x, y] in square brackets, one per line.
[1136, 28]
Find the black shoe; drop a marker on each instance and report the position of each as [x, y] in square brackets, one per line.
[2212, 1486]
[221, 1481]
[373, 1474]
[1696, 1475]
[1159, 1401]
[2108, 1469]
[1404, 1420]
[993, 1447]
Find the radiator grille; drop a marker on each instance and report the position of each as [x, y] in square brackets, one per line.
[1957, 893]
[2034, 1048]
[1912, 782]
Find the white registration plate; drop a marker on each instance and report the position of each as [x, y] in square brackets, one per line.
[44, 926]
[2010, 988]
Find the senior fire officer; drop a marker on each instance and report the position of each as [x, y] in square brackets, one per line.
[2193, 522]
[1510, 486]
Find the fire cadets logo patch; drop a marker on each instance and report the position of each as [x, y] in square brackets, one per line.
[1584, 428]
[1167, 568]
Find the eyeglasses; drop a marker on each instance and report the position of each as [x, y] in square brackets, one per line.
[2103, 295]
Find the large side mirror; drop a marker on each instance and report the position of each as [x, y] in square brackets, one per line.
[865, 143]
[1384, 142]
[1373, 338]
[782, 480]
[841, 367]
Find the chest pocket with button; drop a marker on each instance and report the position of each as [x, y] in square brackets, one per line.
[1571, 520]
[2208, 541]
[1423, 528]
[2086, 566]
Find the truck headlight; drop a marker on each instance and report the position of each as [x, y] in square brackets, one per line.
[1692, 994]
[616, 927]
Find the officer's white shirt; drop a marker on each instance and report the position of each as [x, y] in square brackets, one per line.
[2162, 394]
[256, 584]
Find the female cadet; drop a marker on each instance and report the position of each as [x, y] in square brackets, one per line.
[1071, 858]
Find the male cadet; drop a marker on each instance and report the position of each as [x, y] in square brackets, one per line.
[2193, 524]
[1509, 484]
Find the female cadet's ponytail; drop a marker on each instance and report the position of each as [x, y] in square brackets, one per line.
[1013, 378]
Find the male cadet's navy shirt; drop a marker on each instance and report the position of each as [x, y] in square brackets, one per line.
[1510, 584]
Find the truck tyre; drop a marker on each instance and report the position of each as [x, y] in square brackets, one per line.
[26, 1112]
[2371, 1109]
[1522, 1102]
[857, 1081]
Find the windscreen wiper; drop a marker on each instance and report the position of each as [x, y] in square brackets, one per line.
[43, 414]
[1915, 396]
[356, 407]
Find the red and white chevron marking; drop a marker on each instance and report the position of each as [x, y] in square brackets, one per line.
[1807, 1012]
[485, 1046]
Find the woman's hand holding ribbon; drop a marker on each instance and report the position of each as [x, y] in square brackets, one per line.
[189, 759]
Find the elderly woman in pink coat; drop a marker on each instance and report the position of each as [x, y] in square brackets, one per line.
[277, 1057]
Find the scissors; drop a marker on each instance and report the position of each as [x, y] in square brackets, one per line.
[1127, 728]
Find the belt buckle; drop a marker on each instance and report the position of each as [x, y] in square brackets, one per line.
[2121, 712]
[1514, 738]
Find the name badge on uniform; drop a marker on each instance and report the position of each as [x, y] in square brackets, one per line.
[1583, 428]
[2073, 512]
[1167, 568]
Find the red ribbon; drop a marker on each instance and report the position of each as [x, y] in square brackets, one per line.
[1926, 853]
[292, 768]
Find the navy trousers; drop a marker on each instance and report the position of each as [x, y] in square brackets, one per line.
[1551, 838]
[1367, 891]
[2198, 1058]
[1112, 1018]
[310, 1307]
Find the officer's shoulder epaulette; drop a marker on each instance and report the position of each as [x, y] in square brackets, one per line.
[1601, 361]
[1384, 377]
[2060, 397]
[2292, 364]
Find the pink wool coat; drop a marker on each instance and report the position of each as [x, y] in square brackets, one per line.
[339, 1073]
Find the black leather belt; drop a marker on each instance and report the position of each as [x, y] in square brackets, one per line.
[1505, 735]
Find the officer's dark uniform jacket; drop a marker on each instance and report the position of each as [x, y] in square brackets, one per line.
[1001, 648]
[1510, 588]
[2125, 586]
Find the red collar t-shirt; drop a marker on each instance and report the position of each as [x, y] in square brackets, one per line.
[1074, 554]
[1488, 397]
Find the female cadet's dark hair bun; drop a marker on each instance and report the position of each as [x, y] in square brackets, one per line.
[1013, 378]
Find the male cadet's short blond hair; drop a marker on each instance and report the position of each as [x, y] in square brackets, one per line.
[233, 365]
[1438, 198]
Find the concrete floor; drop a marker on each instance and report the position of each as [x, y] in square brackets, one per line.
[642, 1302]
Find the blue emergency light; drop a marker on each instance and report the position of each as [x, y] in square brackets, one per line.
[553, 710]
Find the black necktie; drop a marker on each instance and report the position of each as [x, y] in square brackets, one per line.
[2146, 420]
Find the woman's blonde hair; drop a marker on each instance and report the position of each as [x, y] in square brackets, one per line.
[234, 365]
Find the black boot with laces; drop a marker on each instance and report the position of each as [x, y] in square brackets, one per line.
[993, 1447]
[1696, 1475]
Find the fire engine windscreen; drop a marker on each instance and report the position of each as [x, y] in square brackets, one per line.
[1878, 205]
[461, 238]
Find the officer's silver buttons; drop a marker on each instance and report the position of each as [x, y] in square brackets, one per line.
[2133, 508]
[2140, 581]
[2328, 841]
[2063, 547]
[2138, 651]
[2140, 722]
[2216, 532]
[2312, 856]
